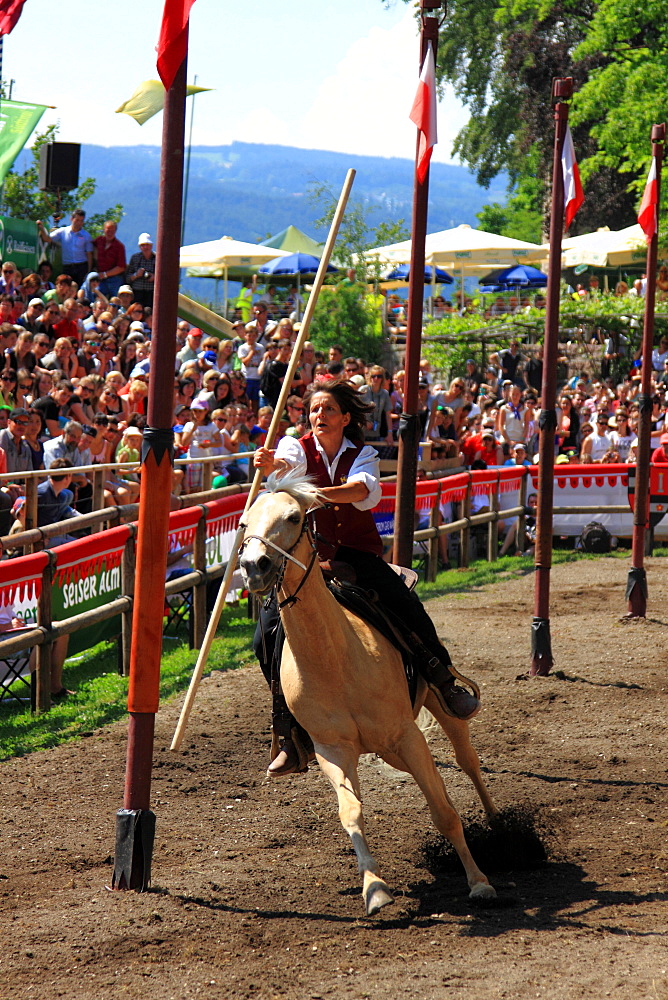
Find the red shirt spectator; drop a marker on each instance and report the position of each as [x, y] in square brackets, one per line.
[660, 454]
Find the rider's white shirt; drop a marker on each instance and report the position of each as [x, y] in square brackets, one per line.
[365, 469]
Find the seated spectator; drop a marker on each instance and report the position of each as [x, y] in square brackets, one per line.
[54, 407]
[62, 358]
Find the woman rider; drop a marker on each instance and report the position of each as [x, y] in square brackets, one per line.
[334, 455]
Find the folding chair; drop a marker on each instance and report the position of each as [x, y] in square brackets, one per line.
[15, 676]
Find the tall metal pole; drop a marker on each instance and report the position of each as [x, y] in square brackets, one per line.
[135, 823]
[541, 643]
[409, 428]
[636, 584]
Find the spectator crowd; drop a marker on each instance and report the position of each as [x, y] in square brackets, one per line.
[76, 366]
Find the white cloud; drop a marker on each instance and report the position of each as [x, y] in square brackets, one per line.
[363, 106]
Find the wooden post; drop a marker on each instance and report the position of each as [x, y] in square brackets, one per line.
[493, 526]
[128, 589]
[31, 508]
[45, 649]
[465, 533]
[432, 558]
[520, 534]
[98, 493]
[198, 609]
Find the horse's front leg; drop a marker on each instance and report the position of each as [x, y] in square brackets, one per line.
[340, 766]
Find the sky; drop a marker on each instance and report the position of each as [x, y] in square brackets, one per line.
[337, 75]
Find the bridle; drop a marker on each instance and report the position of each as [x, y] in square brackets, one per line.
[287, 555]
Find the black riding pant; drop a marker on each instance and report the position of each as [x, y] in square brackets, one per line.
[394, 596]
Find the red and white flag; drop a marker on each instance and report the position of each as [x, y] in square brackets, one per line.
[573, 193]
[423, 112]
[648, 214]
[10, 12]
[173, 42]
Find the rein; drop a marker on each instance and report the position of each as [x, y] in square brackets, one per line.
[287, 554]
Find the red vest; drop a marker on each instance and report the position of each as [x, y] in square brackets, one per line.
[339, 524]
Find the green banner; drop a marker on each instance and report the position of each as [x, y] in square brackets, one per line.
[17, 121]
[19, 242]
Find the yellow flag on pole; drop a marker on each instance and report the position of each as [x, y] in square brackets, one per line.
[149, 98]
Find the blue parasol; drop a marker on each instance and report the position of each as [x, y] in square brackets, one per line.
[403, 273]
[294, 264]
[518, 276]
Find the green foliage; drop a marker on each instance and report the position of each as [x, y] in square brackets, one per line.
[345, 315]
[628, 93]
[23, 199]
[356, 233]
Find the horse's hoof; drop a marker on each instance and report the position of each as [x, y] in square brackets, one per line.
[482, 891]
[377, 896]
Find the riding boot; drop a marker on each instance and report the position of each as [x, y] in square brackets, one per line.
[453, 699]
[291, 745]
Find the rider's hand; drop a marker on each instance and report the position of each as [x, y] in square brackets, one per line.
[264, 459]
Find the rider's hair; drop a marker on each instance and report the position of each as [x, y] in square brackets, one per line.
[348, 397]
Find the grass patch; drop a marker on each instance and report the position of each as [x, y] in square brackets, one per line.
[102, 693]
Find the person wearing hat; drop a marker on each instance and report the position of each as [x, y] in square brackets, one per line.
[660, 454]
[473, 378]
[33, 313]
[192, 348]
[141, 272]
[111, 264]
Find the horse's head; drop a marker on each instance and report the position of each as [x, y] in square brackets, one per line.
[272, 527]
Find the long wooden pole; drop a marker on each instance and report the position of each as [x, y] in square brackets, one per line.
[257, 480]
[409, 427]
[541, 643]
[135, 823]
[636, 585]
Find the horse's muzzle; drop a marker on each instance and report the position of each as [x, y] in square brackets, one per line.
[258, 568]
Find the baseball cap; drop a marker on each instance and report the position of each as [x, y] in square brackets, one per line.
[562, 460]
[210, 356]
[664, 439]
[518, 445]
[488, 434]
[35, 302]
[198, 404]
[137, 326]
[144, 238]
[125, 290]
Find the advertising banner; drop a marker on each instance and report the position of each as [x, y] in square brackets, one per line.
[19, 242]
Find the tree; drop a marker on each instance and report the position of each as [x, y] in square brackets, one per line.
[349, 315]
[627, 92]
[501, 57]
[23, 199]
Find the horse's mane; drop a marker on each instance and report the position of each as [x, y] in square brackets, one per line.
[297, 485]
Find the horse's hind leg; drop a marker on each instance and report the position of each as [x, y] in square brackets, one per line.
[340, 766]
[459, 734]
[413, 750]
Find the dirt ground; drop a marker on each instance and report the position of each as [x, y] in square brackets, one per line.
[255, 886]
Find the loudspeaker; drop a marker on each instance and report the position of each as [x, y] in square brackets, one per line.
[59, 165]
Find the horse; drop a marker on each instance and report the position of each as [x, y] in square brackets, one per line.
[345, 683]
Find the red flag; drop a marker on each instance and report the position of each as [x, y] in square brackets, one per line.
[10, 12]
[647, 216]
[573, 193]
[173, 44]
[423, 113]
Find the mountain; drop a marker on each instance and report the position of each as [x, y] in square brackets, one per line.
[251, 191]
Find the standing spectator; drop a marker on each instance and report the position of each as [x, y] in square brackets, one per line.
[379, 421]
[251, 354]
[511, 418]
[274, 374]
[533, 372]
[54, 499]
[111, 263]
[141, 271]
[75, 243]
[511, 363]
[261, 323]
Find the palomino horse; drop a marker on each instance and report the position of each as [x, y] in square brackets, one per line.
[345, 683]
